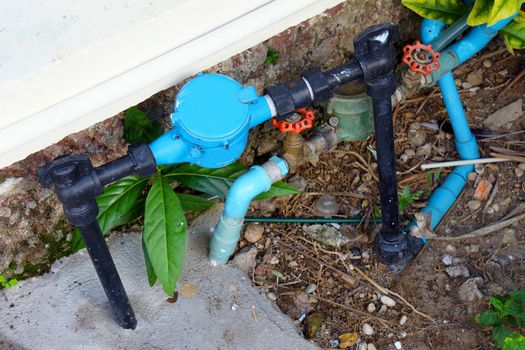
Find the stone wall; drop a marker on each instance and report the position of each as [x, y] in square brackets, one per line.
[33, 232]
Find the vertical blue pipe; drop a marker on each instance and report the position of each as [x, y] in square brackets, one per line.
[444, 197]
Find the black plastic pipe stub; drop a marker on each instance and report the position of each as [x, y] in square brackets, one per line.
[108, 275]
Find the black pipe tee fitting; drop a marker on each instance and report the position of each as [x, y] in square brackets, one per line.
[77, 184]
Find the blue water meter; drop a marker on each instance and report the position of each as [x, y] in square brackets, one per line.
[211, 120]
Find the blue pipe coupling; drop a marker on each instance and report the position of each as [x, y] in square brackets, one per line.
[255, 181]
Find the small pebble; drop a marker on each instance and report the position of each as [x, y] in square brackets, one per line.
[387, 301]
[371, 307]
[474, 204]
[371, 346]
[466, 85]
[479, 168]
[471, 177]
[403, 320]
[333, 343]
[521, 166]
[447, 259]
[271, 296]
[274, 260]
[458, 82]
[367, 329]
[310, 288]
[398, 345]
[410, 152]
[472, 249]
[235, 307]
[450, 248]
[253, 232]
[365, 255]
[457, 271]
[382, 309]
[487, 63]
[518, 172]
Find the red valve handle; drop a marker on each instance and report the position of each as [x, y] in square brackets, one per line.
[421, 58]
[306, 122]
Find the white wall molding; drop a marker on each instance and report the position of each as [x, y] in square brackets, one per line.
[69, 86]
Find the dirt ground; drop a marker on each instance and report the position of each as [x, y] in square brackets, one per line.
[333, 288]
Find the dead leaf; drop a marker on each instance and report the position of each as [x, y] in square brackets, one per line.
[189, 290]
[482, 190]
[423, 226]
[348, 339]
[174, 298]
[312, 323]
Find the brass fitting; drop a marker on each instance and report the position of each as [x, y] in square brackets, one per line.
[293, 150]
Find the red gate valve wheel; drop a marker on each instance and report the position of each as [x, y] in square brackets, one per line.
[301, 120]
[421, 58]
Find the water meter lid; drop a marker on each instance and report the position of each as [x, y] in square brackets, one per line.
[208, 110]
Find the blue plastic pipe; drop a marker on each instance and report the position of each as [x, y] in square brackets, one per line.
[476, 39]
[255, 181]
[444, 197]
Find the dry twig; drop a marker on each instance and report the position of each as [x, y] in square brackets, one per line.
[484, 230]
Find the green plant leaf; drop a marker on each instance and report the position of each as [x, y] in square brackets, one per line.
[278, 189]
[193, 203]
[118, 200]
[447, 11]
[518, 296]
[152, 277]
[217, 182]
[499, 334]
[277, 273]
[165, 233]
[512, 308]
[498, 304]
[516, 341]
[503, 9]
[12, 282]
[520, 319]
[139, 127]
[2, 279]
[488, 318]
[119, 204]
[272, 56]
[481, 12]
[514, 33]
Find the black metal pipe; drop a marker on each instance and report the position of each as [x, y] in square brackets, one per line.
[346, 73]
[395, 248]
[108, 275]
[386, 163]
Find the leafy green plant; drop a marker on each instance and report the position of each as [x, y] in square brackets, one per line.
[483, 11]
[163, 211]
[407, 197]
[139, 127]
[272, 56]
[4, 283]
[506, 314]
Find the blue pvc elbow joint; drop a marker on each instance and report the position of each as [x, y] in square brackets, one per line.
[255, 181]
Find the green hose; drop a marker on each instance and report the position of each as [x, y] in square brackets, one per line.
[309, 220]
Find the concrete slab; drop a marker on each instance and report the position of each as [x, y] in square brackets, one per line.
[67, 308]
